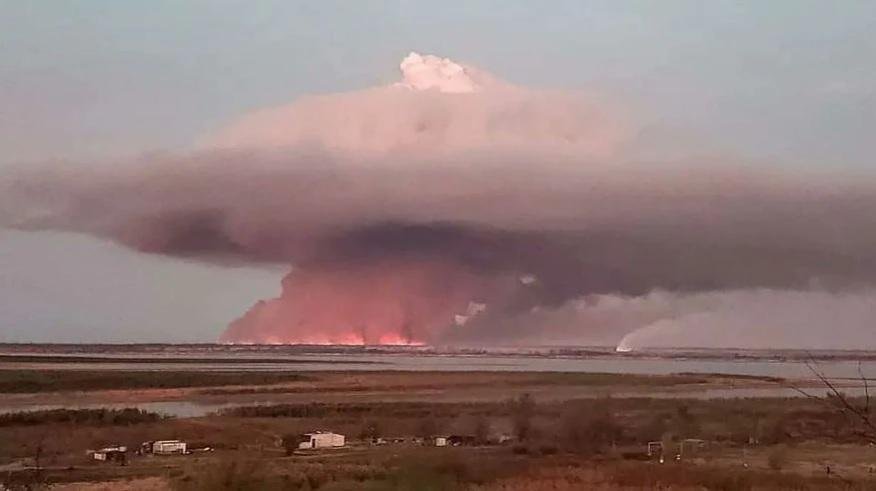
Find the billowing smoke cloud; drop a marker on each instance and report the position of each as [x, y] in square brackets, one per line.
[454, 207]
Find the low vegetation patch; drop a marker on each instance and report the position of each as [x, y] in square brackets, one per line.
[384, 409]
[31, 381]
[94, 417]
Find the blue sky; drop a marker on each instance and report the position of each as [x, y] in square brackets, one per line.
[791, 81]
[787, 83]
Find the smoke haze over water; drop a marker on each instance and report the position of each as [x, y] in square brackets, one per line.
[452, 207]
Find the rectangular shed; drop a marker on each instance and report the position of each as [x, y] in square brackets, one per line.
[169, 447]
[321, 439]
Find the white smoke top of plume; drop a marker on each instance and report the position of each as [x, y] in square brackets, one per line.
[442, 74]
[528, 198]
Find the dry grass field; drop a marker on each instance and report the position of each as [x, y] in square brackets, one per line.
[554, 441]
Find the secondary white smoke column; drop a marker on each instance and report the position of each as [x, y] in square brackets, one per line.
[754, 318]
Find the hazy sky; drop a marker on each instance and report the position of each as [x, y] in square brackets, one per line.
[786, 83]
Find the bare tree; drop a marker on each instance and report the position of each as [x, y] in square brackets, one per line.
[522, 413]
[482, 429]
[37, 460]
[370, 430]
[35, 480]
[427, 427]
[589, 429]
[858, 414]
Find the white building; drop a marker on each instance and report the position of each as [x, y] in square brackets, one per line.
[169, 447]
[109, 453]
[321, 439]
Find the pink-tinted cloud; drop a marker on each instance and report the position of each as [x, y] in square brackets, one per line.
[438, 108]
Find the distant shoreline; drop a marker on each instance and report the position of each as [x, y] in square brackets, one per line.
[237, 353]
[53, 358]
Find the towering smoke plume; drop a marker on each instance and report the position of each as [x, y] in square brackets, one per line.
[454, 207]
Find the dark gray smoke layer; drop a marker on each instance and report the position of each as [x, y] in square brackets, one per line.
[570, 229]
